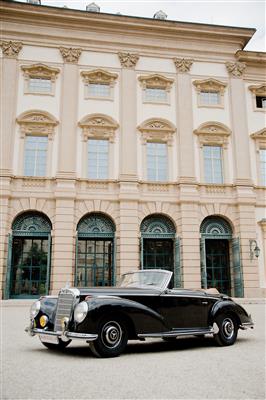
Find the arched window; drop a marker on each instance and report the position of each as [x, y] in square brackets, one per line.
[95, 256]
[160, 249]
[28, 272]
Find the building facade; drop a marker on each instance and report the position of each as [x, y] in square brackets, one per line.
[130, 143]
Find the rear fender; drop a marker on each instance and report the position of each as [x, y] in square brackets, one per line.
[141, 318]
[228, 307]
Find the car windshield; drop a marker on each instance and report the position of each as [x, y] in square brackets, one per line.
[158, 279]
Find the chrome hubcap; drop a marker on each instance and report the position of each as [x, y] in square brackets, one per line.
[111, 334]
[228, 328]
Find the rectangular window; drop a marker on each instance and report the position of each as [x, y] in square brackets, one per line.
[263, 166]
[157, 162]
[209, 98]
[40, 85]
[35, 155]
[98, 90]
[260, 102]
[98, 159]
[156, 95]
[213, 164]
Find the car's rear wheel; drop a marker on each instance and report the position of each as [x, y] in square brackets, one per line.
[60, 346]
[112, 338]
[228, 329]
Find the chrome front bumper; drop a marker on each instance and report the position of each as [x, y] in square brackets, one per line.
[247, 325]
[64, 335]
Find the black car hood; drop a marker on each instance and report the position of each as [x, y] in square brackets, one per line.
[117, 291]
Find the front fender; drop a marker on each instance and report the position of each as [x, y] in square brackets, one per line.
[139, 317]
[228, 307]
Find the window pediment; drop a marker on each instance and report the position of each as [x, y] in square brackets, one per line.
[210, 85]
[259, 137]
[98, 126]
[156, 81]
[99, 76]
[157, 130]
[40, 71]
[37, 122]
[258, 90]
[213, 133]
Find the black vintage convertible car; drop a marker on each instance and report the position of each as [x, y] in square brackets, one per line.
[141, 306]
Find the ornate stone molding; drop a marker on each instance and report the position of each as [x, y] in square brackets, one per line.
[258, 90]
[156, 81]
[36, 122]
[236, 69]
[99, 76]
[40, 71]
[11, 49]
[157, 129]
[98, 126]
[183, 65]
[211, 85]
[70, 54]
[128, 60]
[213, 133]
[260, 138]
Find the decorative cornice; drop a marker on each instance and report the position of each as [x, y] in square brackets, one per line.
[210, 85]
[40, 71]
[213, 133]
[128, 60]
[183, 65]
[99, 76]
[260, 138]
[37, 122]
[11, 49]
[156, 81]
[259, 90]
[157, 129]
[98, 126]
[70, 54]
[236, 69]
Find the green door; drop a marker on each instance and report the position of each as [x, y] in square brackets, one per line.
[95, 262]
[218, 265]
[29, 266]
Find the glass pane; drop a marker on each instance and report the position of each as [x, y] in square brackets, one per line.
[157, 161]
[213, 164]
[35, 155]
[98, 159]
[99, 90]
[209, 98]
[155, 95]
[263, 166]
[40, 85]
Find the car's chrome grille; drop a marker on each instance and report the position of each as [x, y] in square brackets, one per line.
[65, 306]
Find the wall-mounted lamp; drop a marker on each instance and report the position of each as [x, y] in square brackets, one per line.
[254, 249]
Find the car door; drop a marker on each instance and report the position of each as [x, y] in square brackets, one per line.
[182, 310]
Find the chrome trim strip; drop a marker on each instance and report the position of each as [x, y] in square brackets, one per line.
[66, 334]
[179, 332]
[247, 325]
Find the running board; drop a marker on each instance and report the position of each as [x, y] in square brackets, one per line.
[178, 332]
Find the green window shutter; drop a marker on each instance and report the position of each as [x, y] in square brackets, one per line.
[47, 284]
[76, 261]
[8, 269]
[114, 262]
[178, 277]
[237, 269]
[141, 252]
[203, 263]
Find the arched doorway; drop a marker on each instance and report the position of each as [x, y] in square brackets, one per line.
[220, 257]
[160, 249]
[95, 251]
[28, 274]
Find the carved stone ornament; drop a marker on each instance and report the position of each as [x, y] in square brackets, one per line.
[157, 130]
[182, 64]
[37, 122]
[156, 81]
[213, 133]
[98, 126]
[128, 60]
[11, 49]
[99, 76]
[258, 90]
[70, 54]
[236, 69]
[260, 138]
[210, 85]
[40, 71]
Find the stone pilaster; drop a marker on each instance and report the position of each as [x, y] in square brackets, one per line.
[128, 138]
[4, 208]
[68, 127]
[263, 252]
[9, 79]
[240, 132]
[185, 121]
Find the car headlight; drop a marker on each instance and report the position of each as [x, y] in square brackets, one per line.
[35, 308]
[80, 312]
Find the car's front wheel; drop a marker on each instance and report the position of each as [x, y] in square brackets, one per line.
[228, 330]
[60, 346]
[112, 338]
